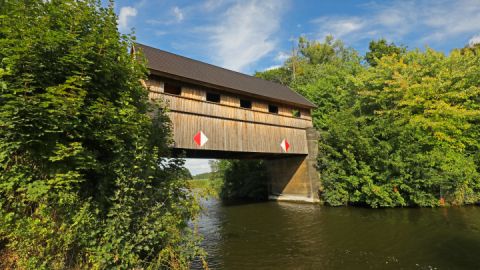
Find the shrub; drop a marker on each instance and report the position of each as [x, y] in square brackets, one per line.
[82, 180]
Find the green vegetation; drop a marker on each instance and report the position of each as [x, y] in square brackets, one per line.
[82, 180]
[380, 48]
[244, 180]
[210, 184]
[207, 175]
[206, 187]
[400, 129]
[233, 180]
[203, 183]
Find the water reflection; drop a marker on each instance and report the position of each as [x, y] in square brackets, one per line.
[274, 235]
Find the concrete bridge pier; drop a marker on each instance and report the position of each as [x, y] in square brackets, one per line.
[296, 178]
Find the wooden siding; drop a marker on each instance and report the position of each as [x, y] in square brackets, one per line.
[155, 86]
[196, 92]
[192, 106]
[229, 100]
[228, 126]
[260, 106]
[189, 92]
[235, 136]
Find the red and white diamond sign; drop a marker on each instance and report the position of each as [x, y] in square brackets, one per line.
[285, 145]
[200, 138]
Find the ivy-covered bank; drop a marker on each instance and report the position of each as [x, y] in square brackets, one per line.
[398, 127]
[83, 184]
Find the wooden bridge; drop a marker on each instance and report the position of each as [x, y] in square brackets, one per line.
[219, 113]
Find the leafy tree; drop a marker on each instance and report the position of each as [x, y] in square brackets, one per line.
[472, 48]
[402, 131]
[280, 75]
[82, 180]
[411, 131]
[186, 174]
[218, 168]
[325, 74]
[214, 168]
[328, 51]
[244, 180]
[380, 48]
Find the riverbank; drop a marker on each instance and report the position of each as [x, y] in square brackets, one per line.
[206, 187]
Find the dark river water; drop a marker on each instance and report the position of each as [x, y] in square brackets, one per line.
[274, 235]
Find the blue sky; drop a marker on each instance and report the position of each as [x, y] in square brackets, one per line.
[251, 35]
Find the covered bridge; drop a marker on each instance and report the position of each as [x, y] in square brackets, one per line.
[219, 113]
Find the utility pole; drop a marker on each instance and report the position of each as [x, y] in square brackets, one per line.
[294, 58]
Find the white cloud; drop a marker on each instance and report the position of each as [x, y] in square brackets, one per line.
[474, 40]
[434, 20]
[454, 19]
[244, 33]
[178, 16]
[196, 166]
[273, 67]
[159, 33]
[211, 5]
[125, 14]
[177, 12]
[154, 22]
[282, 56]
[340, 27]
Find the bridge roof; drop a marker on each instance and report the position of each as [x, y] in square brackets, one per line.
[164, 63]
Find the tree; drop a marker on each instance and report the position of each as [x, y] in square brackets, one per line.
[380, 48]
[471, 47]
[410, 140]
[186, 174]
[82, 180]
[244, 180]
[401, 131]
[217, 168]
[279, 75]
[329, 51]
[325, 74]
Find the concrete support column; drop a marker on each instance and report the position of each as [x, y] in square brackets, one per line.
[296, 178]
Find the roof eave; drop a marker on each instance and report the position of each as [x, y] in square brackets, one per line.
[231, 90]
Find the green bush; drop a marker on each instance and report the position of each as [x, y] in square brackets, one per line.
[402, 129]
[244, 180]
[82, 180]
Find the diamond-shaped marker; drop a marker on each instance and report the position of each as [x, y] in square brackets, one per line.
[285, 145]
[200, 138]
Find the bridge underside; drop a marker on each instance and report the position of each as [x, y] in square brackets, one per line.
[215, 154]
[292, 177]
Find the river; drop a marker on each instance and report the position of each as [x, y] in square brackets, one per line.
[274, 235]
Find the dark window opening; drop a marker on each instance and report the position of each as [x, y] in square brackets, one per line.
[172, 89]
[213, 97]
[272, 108]
[296, 113]
[245, 103]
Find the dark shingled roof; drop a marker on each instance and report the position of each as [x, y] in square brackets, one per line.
[179, 66]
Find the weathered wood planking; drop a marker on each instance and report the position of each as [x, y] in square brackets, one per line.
[229, 100]
[156, 86]
[193, 93]
[235, 136]
[260, 106]
[230, 127]
[192, 106]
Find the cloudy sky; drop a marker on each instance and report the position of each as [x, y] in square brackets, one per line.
[250, 35]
